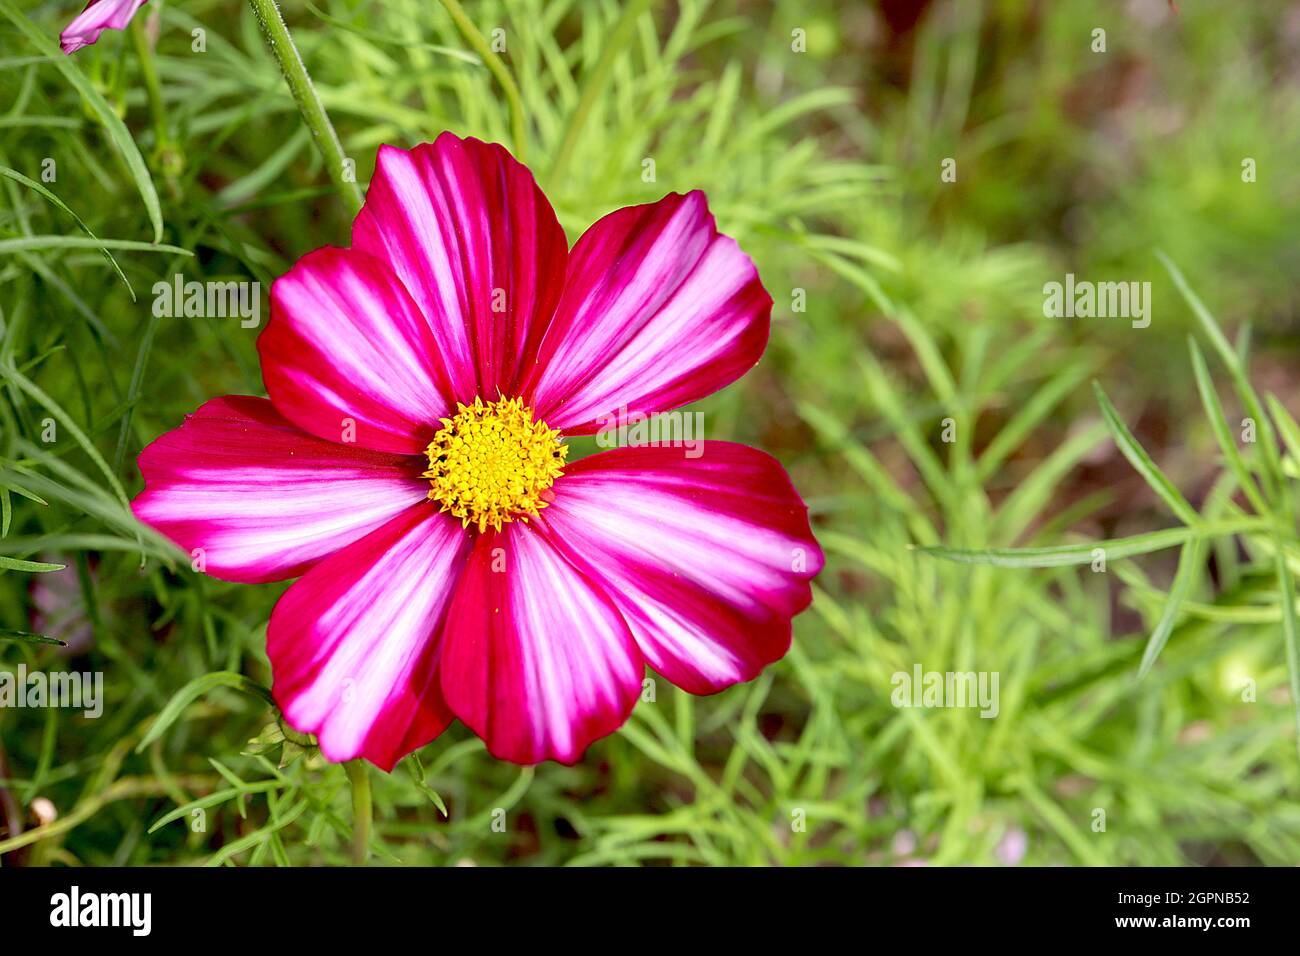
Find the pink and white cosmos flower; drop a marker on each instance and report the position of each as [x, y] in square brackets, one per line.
[410, 466]
[99, 15]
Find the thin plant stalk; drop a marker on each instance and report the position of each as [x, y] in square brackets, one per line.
[152, 87]
[593, 87]
[362, 810]
[304, 94]
[518, 130]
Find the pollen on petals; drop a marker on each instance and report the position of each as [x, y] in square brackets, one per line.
[492, 463]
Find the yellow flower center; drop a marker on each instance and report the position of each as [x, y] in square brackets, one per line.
[491, 463]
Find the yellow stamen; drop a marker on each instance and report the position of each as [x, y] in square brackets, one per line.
[491, 463]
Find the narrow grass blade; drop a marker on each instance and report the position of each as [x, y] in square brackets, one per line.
[78, 435]
[1189, 563]
[376, 37]
[257, 837]
[133, 390]
[113, 124]
[858, 457]
[1113, 549]
[1208, 324]
[1222, 434]
[592, 87]
[1140, 460]
[416, 769]
[518, 122]
[192, 692]
[1232, 359]
[1286, 425]
[1290, 634]
[213, 800]
[1031, 414]
[26, 637]
[29, 243]
[1024, 505]
[42, 190]
[17, 564]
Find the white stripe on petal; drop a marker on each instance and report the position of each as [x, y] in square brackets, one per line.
[537, 660]
[659, 309]
[708, 559]
[354, 644]
[467, 230]
[347, 348]
[252, 498]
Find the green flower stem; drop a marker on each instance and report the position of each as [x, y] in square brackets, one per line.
[304, 94]
[361, 810]
[498, 69]
[152, 88]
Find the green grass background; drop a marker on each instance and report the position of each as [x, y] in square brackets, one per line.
[923, 302]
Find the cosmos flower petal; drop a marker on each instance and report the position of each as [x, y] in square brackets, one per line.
[354, 645]
[98, 16]
[348, 357]
[707, 558]
[262, 499]
[536, 659]
[465, 227]
[659, 309]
